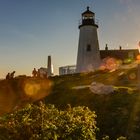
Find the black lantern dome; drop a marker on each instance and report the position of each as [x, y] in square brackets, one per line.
[88, 18]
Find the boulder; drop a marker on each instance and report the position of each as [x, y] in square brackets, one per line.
[99, 88]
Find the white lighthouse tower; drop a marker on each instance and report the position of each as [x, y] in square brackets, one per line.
[88, 58]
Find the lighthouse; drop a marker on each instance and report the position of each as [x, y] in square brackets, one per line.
[88, 57]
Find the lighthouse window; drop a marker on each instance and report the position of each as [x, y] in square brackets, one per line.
[88, 48]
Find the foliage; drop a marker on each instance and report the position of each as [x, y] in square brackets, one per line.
[121, 138]
[116, 112]
[105, 138]
[41, 122]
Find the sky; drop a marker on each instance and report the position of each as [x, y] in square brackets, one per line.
[30, 30]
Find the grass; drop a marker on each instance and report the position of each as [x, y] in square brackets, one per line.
[116, 112]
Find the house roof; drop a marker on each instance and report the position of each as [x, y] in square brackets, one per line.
[87, 12]
[119, 54]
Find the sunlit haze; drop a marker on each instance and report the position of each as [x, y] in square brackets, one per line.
[30, 30]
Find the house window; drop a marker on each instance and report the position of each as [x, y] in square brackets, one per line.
[88, 48]
[131, 55]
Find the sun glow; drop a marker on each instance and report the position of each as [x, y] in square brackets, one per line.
[37, 89]
[110, 64]
[31, 88]
[138, 57]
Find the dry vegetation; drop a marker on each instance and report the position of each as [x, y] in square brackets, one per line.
[118, 113]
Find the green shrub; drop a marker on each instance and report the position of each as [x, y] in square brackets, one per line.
[121, 138]
[41, 122]
[106, 138]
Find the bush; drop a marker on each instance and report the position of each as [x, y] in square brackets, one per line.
[106, 138]
[41, 122]
[121, 138]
